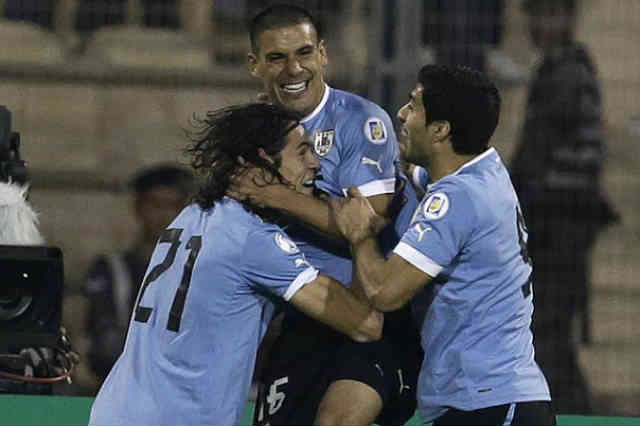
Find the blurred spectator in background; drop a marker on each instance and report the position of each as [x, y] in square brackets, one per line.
[556, 171]
[469, 33]
[40, 12]
[160, 193]
[95, 14]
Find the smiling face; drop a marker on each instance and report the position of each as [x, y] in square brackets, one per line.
[290, 62]
[298, 163]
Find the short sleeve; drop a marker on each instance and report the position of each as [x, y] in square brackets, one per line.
[273, 262]
[441, 226]
[369, 153]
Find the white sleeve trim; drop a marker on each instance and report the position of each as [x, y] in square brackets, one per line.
[415, 176]
[303, 278]
[417, 259]
[377, 187]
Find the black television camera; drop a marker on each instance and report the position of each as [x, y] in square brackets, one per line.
[31, 286]
[11, 165]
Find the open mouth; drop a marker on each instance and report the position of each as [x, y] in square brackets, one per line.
[295, 87]
[309, 183]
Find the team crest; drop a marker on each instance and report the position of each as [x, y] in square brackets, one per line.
[323, 141]
[286, 244]
[436, 206]
[375, 131]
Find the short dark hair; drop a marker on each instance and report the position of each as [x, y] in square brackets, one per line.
[170, 175]
[466, 99]
[227, 141]
[278, 16]
[533, 6]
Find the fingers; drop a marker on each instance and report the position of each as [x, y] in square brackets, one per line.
[263, 97]
[354, 192]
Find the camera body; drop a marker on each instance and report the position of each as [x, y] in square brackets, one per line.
[12, 167]
[31, 283]
[30, 297]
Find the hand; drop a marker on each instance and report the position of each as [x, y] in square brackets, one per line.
[355, 217]
[256, 186]
[264, 98]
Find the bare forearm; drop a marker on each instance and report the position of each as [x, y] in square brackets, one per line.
[312, 211]
[368, 276]
[330, 302]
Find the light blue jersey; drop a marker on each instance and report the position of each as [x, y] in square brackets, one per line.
[420, 178]
[469, 234]
[356, 146]
[201, 313]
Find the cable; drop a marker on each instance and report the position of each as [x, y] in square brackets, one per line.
[65, 376]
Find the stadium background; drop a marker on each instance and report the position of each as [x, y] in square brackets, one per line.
[92, 109]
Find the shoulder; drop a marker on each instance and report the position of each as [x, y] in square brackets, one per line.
[357, 115]
[453, 194]
[350, 106]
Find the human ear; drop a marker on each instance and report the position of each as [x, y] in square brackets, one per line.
[252, 64]
[442, 129]
[322, 49]
[265, 156]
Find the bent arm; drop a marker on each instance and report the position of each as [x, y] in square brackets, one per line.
[328, 301]
[315, 211]
[387, 283]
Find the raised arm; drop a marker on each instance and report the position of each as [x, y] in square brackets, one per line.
[311, 210]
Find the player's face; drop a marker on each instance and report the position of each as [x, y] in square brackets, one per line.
[414, 131]
[290, 61]
[299, 165]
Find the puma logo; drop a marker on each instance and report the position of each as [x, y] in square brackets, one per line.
[367, 160]
[418, 228]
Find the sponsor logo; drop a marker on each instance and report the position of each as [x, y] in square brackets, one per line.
[285, 244]
[367, 160]
[302, 262]
[421, 231]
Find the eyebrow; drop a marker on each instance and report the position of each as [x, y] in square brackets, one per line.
[305, 144]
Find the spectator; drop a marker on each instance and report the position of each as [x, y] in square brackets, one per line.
[40, 12]
[94, 14]
[556, 172]
[113, 279]
[469, 33]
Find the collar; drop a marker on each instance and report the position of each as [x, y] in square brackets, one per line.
[323, 102]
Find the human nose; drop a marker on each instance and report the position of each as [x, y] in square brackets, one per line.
[402, 114]
[312, 161]
[293, 66]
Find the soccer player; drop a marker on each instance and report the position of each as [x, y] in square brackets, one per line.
[314, 374]
[209, 293]
[468, 245]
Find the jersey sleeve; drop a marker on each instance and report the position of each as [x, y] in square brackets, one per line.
[441, 226]
[420, 177]
[369, 151]
[273, 262]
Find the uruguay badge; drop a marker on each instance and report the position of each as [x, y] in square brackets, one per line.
[323, 141]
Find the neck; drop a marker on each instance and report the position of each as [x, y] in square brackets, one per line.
[447, 164]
